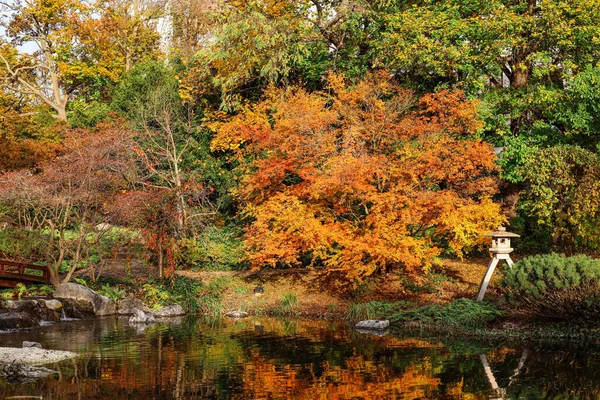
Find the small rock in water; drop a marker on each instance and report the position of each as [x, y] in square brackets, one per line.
[174, 310]
[140, 317]
[27, 344]
[373, 324]
[237, 314]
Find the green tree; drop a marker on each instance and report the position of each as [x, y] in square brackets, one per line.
[562, 195]
[516, 53]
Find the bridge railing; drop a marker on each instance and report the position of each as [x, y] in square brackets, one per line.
[21, 272]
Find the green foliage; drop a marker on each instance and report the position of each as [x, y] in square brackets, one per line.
[176, 290]
[216, 249]
[21, 244]
[155, 296]
[517, 56]
[580, 112]
[461, 313]
[87, 115]
[6, 294]
[555, 286]
[211, 295]
[113, 293]
[140, 84]
[241, 290]
[563, 195]
[287, 304]
[19, 290]
[250, 46]
[376, 310]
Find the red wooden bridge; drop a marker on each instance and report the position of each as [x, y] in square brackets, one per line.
[12, 272]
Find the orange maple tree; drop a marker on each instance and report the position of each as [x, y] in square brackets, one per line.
[361, 178]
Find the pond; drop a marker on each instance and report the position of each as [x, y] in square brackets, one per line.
[268, 358]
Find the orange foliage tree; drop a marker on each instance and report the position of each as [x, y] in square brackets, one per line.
[361, 178]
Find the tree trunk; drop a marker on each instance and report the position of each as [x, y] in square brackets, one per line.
[520, 76]
[160, 259]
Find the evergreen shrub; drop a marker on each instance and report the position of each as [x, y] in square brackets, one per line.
[555, 286]
[461, 314]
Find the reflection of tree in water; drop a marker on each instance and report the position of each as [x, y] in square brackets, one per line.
[358, 378]
[304, 359]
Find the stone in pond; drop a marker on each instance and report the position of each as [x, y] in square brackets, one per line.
[27, 344]
[140, 317]
[237, 314]
[10, 320]
[21, 373]
[174, 310]
[130, 305]
[373, 324]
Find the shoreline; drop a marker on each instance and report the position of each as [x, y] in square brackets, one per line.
[33, 356]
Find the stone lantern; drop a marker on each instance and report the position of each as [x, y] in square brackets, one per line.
[500, 250]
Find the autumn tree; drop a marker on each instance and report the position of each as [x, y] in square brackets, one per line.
[69, 196]
[24, 140]
[362, 178]
[47, 26]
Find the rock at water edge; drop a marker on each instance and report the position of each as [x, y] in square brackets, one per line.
[53, 305]
[10, 320]
[169, 311]
[373, 324]
[140, 317]
[237, 314]
[21, 373]
[85, 299]
[130, 306]
[27, 344]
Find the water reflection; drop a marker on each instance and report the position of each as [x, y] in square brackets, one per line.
[278, 359]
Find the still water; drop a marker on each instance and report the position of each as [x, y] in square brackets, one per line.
[267, 358]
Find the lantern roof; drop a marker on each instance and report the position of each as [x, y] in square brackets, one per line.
[502, 233]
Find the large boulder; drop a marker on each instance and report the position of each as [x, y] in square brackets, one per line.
[169, 311]
[130, 305]
[85, 299]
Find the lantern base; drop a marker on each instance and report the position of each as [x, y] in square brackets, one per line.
[490, 271]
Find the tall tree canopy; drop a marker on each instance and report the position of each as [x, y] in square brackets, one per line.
[520, 54]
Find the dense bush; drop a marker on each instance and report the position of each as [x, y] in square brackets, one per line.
[177, 290]
[555, 286]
